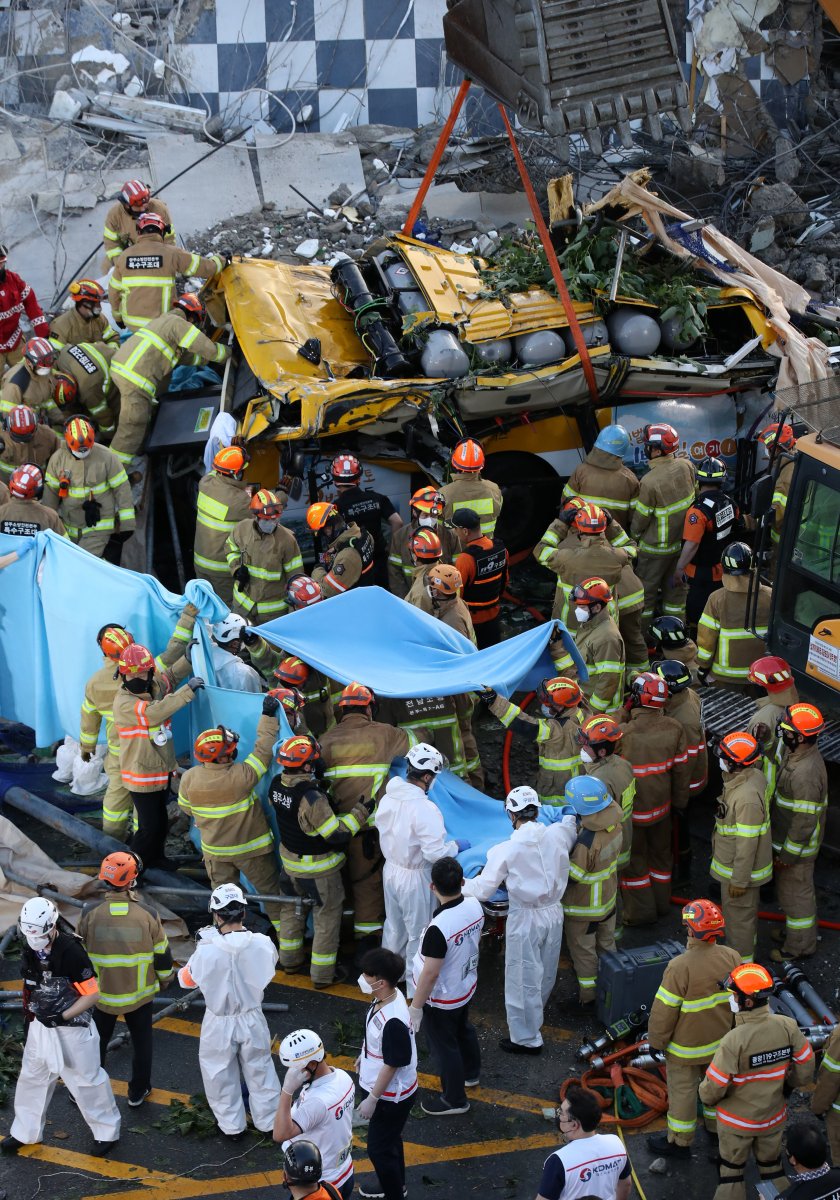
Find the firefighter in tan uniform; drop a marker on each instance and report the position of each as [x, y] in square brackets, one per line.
[665, 495]
[797, 815]
[142, 366]
[588, 554]
[779, 441]
[144, 280]
[599, 739]
[689, 1016]
[121, 219]
[357, 754]
[313, 838]
[774, 675]
[725, 647]
[84, 320]
[742, 856]
[82, 383]
[602, 477]
[825, 1098]
[31, 382]
[589, 901]
[425, 551]
[656, 746]
[684, 706]
[444, 584]
[599, 644]
[745, 1082]
[223, 501]
[263, 557]
[426, 508]
[669, 639]
[220, 795]
[467, 489]
[23, 515]
[25, 440]
[87, 486]
[347, 561]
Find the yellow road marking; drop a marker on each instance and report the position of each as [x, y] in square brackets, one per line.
[304, 984]
[107, 1168]
[158, 1095]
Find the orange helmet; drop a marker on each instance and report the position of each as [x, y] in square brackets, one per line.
[27, 482]
[803, 718]
[661, 437]
[574, 502]
[468, 455]
[215, 745]
[79, 435]
[86, 291]
[231, 461]
[296, 752]
[750, 979]
[39, 352]
[265, 504]
[135, 195]
[291, 700]
[445, 580]
[649, 690]
[151, 222]
[778, 435]
[65, 389]
[426, 546]
[428, 501]
[112, 640]
[190, 304]
[356, 695]
[740, 748]
[119, 869]
[599, 731]
[346, 468]
[591, 591]
[704, 919]
[303, 591]
[135, 660]
[319, 515]
[560, 693]
[771, 672]
[590, 519]
[21, 422]
[292, 672]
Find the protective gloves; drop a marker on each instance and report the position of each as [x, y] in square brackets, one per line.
[295, 1078]
[270, 705]
[93, 511]
[462, 844]
[416, 1015]
[242, 576]
[196, 683]
[365, 1109]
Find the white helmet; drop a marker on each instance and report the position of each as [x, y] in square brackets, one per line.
[229, 629]
[38, 916]
[424, 757]
[521, 797]
[301, 1047]
[225, 894]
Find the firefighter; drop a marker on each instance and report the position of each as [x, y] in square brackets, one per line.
[347, 561]
[774, 675]
[220, 795]
[313, 838]
[302, 1167]
[425, 550]
[142, 710]
[825, 1099]
[5, 494]
[467, 489]
[87, 486]
[82, 383]
[229, 669]
[23, 514]
[366, 508]
[587, 554]
[560, 529]
[84, 321]
[426, 509]
[779, 441]
[436, 720]
[725, 645]
[142, 366]
[797, 814]
[670, 640]
[656, 747]
[130, 953]
[707, 528]
[121, 219]
[25, 440]
[689, 1016]
[443, 584]
[16, 298]
[223, 501]
[263, 557]
[602, 478]
[747, 1080]
[600, 646]
[31, 382]
[684, 706]
[599, 740]
[665, 495]
[233, 966]
[483, 567]
[554, 731]
[315, 688]
[589, 901]
[357, 754]
[59, 989]
[742, 853]
[143, 283]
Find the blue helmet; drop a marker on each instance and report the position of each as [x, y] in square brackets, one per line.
[613, 440]
[587, 795]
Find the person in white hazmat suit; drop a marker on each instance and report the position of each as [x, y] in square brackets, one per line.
[233, 967]
[59, 990]
[231, 671]
[412, 837]
[533, 864]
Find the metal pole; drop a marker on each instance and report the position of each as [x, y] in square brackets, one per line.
[175, 891]
[181, 1005]
[43, 891]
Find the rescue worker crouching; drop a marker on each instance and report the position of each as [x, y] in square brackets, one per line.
[23, 514]
[600, 645]
[347, 561]
[312, 849]
[25, 440]
[483, 567]
[82, 384]
[263, 557]
[426, 509]
[689, 1016]
[725, 645]
[120, 229]
[467, 489]
[31, 382]
[603, 479]
[223, 501]
[84, 320]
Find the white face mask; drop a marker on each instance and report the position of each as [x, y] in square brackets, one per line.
[42, 370]
[266, 526]
[733, 1004]
[37, 941]
[427, 522]
[724, 766]
[80, 454]
[582, 615]
[545, 711]
[366, 987]
[586, 756]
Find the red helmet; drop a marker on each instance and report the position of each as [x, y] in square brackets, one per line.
[135, 195]
[296, 752]
[135, 660]
[356, 695]
[468, 455]
[740, 748]
[319, 515]
[113, 639]
[231, 461]
[428, 501]
[22, 423]
[151, 222]
[661, 437]
[303, 591]
[771, 672]
[79, 434]
[65, 389]
[27, 482]
[191, 305]
[649, 690]
[591, 591]
[560, 693]
[265, 504]
[590, 519]
[802, 718]
[425, 546]
[291, 700]
[599, 731]
[39, 352]
[575, 502]
[215, 745]
[292, 672]
[346, 468]
[778, 435]
[704, 919]
[86, 291]
[119, 869]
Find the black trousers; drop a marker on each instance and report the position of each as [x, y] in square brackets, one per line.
[385, 1144]
[700, 588]
[139, 1025]
[488, 633]
[149, 840]
[454, 1046]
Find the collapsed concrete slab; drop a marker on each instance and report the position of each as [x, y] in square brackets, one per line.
[316, 163]
[215, 190]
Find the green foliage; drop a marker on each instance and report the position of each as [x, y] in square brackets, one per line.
[11, 1054]
[193, 1118]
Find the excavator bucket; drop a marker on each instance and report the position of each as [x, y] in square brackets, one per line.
[572, 66]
